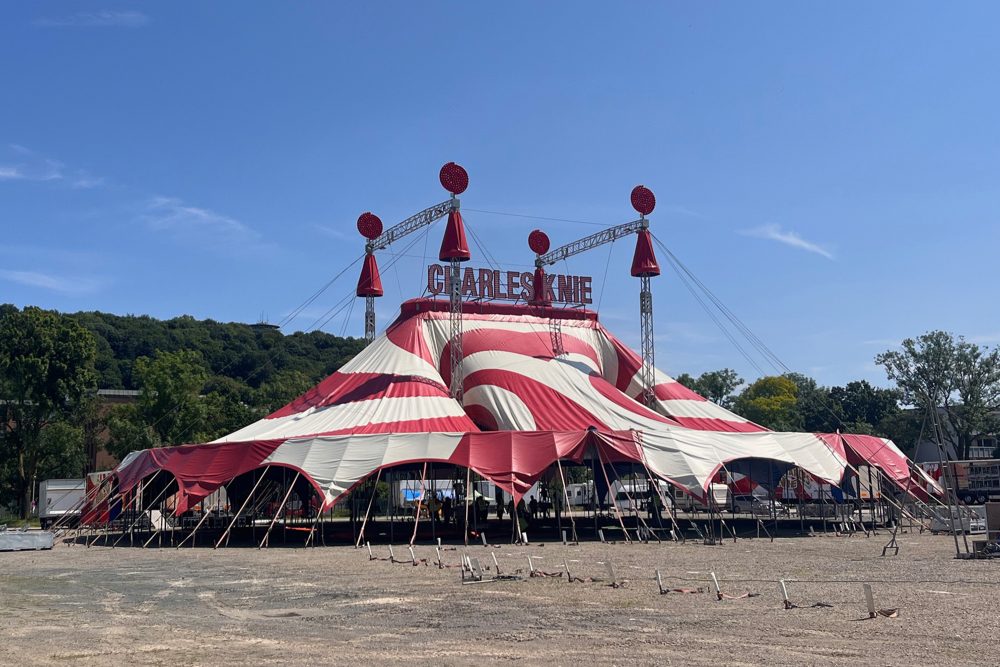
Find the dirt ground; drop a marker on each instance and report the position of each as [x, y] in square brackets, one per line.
[332, 605]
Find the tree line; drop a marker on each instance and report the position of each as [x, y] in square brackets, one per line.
[199, 379]
[946, 388]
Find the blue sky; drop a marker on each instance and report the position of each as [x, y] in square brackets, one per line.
[830, 172]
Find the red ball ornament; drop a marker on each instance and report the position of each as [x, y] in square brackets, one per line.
[538, 241]
[643, 200]
[370, 225]
[454, 178]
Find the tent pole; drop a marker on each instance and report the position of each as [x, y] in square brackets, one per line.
[361, 533]
[468, 497]
[437, 504]
[618, 514]
[632, 504]
[802, 485]
[158, 531]
[142, 485]
[63, 521]
[319, 515]
[260, 479]
[673, 509]
[281, 507]
[165, 489]
[420, 502]
[572, 522]
[190, 536]
[663, 500]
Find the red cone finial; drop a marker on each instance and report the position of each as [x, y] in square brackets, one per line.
[370, 282]
[453, 245]
[540, 295]
[644, 260]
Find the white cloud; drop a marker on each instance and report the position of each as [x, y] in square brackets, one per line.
[31, 166]
[84, 181]
[63, 284]
[773, 232]
[172, 215]
[105, 18]
[984, 339]
[332, 233]
[882, 342]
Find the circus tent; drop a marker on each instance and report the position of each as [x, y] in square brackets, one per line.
[524, 409]
[535, 385]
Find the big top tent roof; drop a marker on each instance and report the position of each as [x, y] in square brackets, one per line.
[524, 408]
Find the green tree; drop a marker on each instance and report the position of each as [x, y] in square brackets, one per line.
[864, 408]
[817, 412]
[688, 381]
[46, 369]
[717, 386]
[61, 451]
[170, 399]
[229, 406]
[771, 402]
[283, 388]
[128, 432]
[939, 372]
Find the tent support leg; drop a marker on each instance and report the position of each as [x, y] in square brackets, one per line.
[319, 515]
[632, 504]
[364, 523]
[281, 508]
[659, 493]
[157, 532]
[142, 487]
[468, 497]
[420, 502]
[225, 535]
[572, 522]
[190, 536]
[618, 513]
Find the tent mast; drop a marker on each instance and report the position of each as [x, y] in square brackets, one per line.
[455, 250]
[644, 267]
[370, 226]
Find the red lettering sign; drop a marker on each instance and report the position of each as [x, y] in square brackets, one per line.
[511, 285]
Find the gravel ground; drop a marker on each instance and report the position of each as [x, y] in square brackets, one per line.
[332, 605]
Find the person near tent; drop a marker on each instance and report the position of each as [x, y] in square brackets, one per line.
[433, 504]
[446, 510]
[654, 505]
[500, 509]
[482, 508]
[533, 508]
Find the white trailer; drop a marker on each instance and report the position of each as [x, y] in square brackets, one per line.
[57, 498]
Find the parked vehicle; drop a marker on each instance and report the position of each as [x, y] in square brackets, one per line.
[976, 481]
[747, 504]
[57, 498]
[581, 494]
[718, 495]
[966, 519]
[637, 496]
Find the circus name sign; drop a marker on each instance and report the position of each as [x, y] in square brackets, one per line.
[511, 285]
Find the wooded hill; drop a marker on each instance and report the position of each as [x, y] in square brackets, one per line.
[251, 354]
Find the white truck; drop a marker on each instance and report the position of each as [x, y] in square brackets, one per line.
[718, 494]
[57, 498]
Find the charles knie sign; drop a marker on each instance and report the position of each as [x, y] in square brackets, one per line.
[511, 285]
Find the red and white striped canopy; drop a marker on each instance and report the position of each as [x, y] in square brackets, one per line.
[524, 408]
